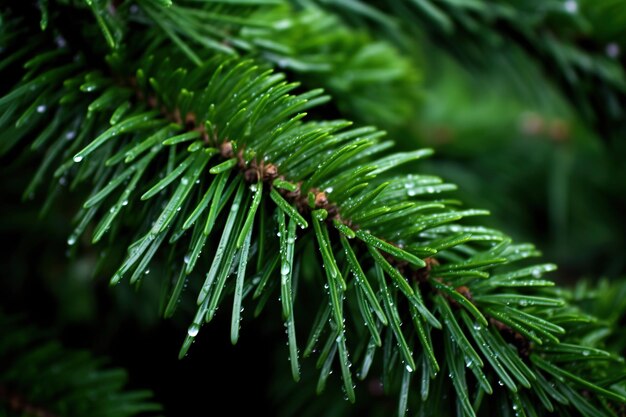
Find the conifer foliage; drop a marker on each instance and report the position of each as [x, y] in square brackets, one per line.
[41, 378]
[194, 146]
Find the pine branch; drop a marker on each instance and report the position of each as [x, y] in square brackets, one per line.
[40, 378]
[226, 155]
[357, 70]
[604, 300]
[577, 43]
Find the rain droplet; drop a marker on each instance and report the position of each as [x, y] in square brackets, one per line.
[585, 353]
[71, 240]
[408, 368]
[612, 50]
[282, 24]
[70, 135]
[186, 259]
[477, 326]
[41, 108]
[184, 180]
[60, 41]
[500, 383]
[285, 268]
[78, 158]
[571, 6]
[536, 272]
[125, 202]
[63, 181]
[147, 271]
[193, 330]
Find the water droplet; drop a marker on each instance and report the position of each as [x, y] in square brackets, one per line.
[78, 158]
[285, 268]
[571, 6]
[63, 181]
[523, 302]
[125, 202]
[186, 259]
[184, 180]
[70, 135]
[41, 108]
[193, 330]
[253, 187]
[536, 272]
[282, 24]
[60, 41]
[612, 50]
[147, 271]
[477, 326]
[585, 353]
[500, 383]
[71, 240]
[408, 368]
[328, 190]
[291, 240]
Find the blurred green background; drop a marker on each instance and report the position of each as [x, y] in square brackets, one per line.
[505, 130]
